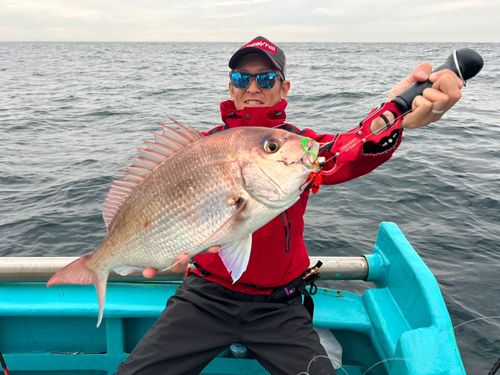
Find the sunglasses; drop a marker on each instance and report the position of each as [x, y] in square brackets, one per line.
[265, 81]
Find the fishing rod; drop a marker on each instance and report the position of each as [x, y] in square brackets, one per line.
[4, 365]
[495, 368]
[465, 63]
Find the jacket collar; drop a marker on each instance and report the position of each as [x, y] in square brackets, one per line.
[268, 117]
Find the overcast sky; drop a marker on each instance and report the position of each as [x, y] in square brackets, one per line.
[241, 20]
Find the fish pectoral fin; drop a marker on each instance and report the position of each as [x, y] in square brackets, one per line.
[236, 255]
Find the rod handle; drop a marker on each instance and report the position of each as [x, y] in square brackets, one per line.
[465, 63]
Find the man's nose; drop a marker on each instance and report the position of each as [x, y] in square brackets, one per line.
[253, 86]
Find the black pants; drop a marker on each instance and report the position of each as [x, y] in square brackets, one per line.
[204, 318]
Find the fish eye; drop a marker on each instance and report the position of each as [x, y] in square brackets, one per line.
[271, 146]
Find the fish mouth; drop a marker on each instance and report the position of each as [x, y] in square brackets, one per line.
[308, 160]
[311, 149]
[309, 157]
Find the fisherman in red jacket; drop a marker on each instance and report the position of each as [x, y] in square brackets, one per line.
[209, 312]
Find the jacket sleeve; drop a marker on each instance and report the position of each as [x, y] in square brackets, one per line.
[355, 153]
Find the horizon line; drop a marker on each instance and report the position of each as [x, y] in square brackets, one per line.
[145, 41]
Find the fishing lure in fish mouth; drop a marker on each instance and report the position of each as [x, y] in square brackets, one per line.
[304, 146]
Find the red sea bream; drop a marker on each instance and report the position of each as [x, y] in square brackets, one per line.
[186, 192]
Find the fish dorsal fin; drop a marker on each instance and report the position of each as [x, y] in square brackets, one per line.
[164, 146]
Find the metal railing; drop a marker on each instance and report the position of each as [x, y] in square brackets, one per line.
[42, 268]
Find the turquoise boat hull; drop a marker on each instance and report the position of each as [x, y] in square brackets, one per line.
[400, 327]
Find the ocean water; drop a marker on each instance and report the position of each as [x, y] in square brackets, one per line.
[71, 114]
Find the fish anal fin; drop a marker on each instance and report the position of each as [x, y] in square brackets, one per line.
[126, 270]
[77, 272]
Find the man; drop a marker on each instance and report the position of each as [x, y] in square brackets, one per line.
[209, 312]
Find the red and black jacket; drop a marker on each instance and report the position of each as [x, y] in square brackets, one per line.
[279, 254]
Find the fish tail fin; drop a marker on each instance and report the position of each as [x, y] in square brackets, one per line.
[77, 272]
[100, 287]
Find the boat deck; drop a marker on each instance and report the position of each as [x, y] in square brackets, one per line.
[57, 328]
[401, 327]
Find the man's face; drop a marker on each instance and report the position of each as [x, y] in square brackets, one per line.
[253, 95]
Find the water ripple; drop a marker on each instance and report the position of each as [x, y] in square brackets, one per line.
[73, 113]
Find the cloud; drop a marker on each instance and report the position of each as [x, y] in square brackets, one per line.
[227, 4]
[458, 6]
[87, 11]
[241, 20]
[226, 15]
[331, 12]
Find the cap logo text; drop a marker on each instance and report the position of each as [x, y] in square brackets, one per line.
[262, 44]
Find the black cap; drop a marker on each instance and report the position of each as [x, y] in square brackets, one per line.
[264, 47]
